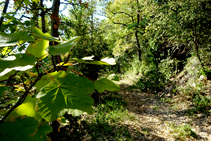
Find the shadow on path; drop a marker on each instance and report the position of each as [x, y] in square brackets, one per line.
[156, 115]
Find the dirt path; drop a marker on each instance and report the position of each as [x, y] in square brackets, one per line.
[160, 120]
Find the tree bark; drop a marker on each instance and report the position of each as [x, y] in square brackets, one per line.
[55, 21]
[136, 32]
[42, 16]
[4, 12]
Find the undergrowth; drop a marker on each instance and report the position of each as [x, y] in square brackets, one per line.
[107, 122]
[182, 132]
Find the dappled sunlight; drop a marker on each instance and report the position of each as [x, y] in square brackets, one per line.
[158, 114]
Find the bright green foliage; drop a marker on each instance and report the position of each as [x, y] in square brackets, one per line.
[71, 92]
[37, 32]
[33, 68]
[45, 80]
[35, 1]
[73, 112]
[103, 84]
[26, 108]
[19, 62]
[104, 61]
[38, 48]
[63, 47]
[2, 89]
[14, 38]
[42, 130]
[20, 129]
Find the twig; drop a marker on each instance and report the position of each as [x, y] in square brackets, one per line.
[21, 100]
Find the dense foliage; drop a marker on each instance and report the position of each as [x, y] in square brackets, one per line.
[54, 65]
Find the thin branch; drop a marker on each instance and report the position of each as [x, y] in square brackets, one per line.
[24, 85]
[125, 14]
[4, 12]
[78, 73]
[117, 22]
[21, 100]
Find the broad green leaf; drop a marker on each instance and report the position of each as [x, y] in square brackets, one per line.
[19, 62]
[2, 89]
[38, 48]
[97, 63]
[41, 132]
[64, 47]
[7, 75]
[37, 32]
[110, 61]
[73, 112]
[70, 92]
[26, 108]
[104, 61]
[103, 84]
[27, 2]
[36, 1]
[113, 77]
[46, 79]
[19, 130]
[88, 58]
[13, 38]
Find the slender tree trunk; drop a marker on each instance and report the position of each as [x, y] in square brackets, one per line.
[42, 16]
[196, 46]
[3, 12]
[136, 32]
[55, 21]
[55, 136]
[35, 15]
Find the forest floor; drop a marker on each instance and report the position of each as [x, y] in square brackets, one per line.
[160, 119]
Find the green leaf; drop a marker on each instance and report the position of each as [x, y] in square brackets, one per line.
[73, 112]
[103, 84]
[7, 75]
[38, 48]
[18, 130]
[13, 38]
[110, 61]
[88, 58]
[36, 1]
[37, 32]
[2, 89]
[41, 133]
[104, 61]
[27, 2]
[19, 62]
[70, 93]
[45, 80]
[26, 108]
[64, 47]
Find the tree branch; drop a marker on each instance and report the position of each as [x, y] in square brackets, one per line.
[4, 12]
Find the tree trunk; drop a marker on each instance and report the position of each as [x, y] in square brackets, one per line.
[136, 32]
[55, 135]
[42, 16]
[3, 12]
[55, 21]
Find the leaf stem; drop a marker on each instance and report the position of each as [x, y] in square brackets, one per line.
[47, 72]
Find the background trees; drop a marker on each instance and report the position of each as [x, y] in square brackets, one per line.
[40, 48]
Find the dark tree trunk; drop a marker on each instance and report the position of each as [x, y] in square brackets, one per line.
[55, 135]
[42, 16]
[3, 12]
[55, 21]
[136, 32]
